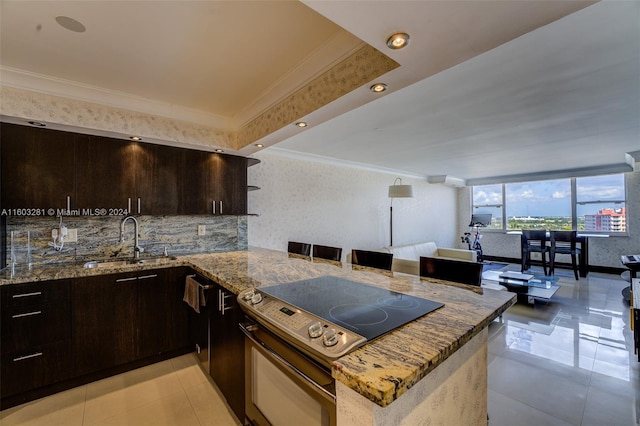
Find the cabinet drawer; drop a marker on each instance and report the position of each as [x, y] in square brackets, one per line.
[39, 366]
[29, 294]
[26, 326]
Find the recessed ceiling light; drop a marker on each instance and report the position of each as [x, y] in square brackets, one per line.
[259, 145]
[37, 123]
[301, 124]
[398, 41]
[135, 138]
[219, 150]
[378, 88]
[70, 24]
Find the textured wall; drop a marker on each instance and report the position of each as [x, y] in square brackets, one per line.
[98, 237]
[602, 251]
[90, 116]
[340, 206]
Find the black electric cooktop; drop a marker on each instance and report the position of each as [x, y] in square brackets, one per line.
[366, 310]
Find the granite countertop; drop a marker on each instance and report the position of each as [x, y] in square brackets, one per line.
[381, 370]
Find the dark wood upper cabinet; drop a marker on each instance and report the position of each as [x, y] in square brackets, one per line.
[196, 195]
[229, 180]
[105, 173]
[37, 167]
[158, 179]
[46, 169]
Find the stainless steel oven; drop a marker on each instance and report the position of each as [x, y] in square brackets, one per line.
[298, 329]
[282, 386]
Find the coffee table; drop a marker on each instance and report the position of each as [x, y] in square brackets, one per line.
[527, 290]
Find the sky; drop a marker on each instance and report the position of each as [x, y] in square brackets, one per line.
[553, 197]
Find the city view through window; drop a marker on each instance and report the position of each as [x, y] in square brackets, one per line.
[595, 203]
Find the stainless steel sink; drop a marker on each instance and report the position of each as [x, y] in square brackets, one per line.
[118, 263]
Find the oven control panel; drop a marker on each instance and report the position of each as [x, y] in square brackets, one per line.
[298, 327]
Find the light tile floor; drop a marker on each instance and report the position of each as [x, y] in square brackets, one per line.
[172, 392]
[565, 362]
[568, 361]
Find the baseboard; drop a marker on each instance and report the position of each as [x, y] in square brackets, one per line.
[561, 265]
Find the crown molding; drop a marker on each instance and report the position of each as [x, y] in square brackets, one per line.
[281, 152]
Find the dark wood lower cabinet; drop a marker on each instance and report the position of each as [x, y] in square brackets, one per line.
[227, 349]
[39, 366]
[71, 332]
[104, 312]
[163, 318]
[36, 336]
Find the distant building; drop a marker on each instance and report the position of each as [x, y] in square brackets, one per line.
[607, 220]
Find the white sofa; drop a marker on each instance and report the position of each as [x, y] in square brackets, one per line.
[407, 258]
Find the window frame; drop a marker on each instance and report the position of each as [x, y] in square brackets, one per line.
[574, 207]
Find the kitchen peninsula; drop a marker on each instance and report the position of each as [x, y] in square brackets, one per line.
[434, 368]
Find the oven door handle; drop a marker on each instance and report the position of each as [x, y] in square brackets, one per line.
[311, 384]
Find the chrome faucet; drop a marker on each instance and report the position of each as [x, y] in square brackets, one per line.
[136, 247]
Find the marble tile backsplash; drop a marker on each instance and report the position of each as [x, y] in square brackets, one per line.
[99, 237]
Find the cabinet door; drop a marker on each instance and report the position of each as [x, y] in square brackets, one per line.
[103, 321]
[196, 196]
[105, 173]
[36, 333]
[162, 315]
[39, 366]
[158, 179]
[37, 167]
[227, 350]
[230, 184]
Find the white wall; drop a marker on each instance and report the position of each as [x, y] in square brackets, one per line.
[328, 204]
[602, 251]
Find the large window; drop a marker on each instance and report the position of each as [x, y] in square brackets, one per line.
[488, 199]
[594, 204]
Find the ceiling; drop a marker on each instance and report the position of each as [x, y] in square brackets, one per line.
[486, 91]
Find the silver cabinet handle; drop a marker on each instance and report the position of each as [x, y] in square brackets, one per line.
[21, 358]
[213, 207]
[27, 314]
[35, 293]
[121, 280]
[221, 207]
[222, 306]
[68, 202]
[139, 206]
[128, 205]
[144, 277]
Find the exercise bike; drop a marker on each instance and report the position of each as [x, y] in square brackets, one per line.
[475, 245]
[477, 221]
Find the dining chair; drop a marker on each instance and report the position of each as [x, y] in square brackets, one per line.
[303, 249]
[372, 259]
[564, 242]
[533, 241]
[327, 252]
[458, 271]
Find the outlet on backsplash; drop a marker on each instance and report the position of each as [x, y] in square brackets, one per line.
[97, 237]
[202, 230]
[72, 236]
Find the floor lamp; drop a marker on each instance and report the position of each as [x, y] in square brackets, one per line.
[397, 190]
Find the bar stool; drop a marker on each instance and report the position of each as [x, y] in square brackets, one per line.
[327, 252]
[533, 241]
[372, 259]
[303, 249]
[564, 242]
[451, 270]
